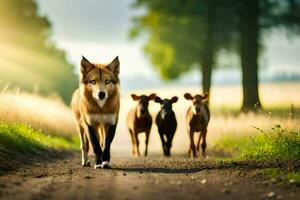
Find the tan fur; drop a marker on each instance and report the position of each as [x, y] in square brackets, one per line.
[138, 122]
[197, 119]
[89, 109]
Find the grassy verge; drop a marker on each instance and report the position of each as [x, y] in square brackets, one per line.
[277, 144]
[22, 138]
[282, 176]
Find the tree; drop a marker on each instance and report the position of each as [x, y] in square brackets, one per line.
[249, 51]
[184, 35]
[257, 17]
[28, 58]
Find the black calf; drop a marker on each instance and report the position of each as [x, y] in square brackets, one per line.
[166, 123]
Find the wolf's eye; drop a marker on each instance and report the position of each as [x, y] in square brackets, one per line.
[107, 82]
[92, 82]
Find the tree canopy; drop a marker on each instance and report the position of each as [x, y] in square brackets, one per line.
[186, 34]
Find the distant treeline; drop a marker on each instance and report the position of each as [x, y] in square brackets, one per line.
[28, 58]
[286, 77]
[189, 34]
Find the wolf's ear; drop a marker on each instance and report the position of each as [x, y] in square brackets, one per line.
[152, 96]
[135, 97]
[114, 66]
[174, 99]
[86, 66]
[158, 99]
[188, 96]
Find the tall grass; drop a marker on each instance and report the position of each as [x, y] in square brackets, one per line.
[48, 114]
[22, 138]
[276, 143]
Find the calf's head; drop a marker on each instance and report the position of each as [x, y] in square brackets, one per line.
[166, 105]
[143, 103]
[198, 101]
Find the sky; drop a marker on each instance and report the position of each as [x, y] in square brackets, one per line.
[99, 30]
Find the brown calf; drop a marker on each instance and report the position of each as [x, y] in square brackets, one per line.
[197, 118]
[139, 120]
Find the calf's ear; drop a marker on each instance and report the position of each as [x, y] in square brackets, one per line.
[135, 97]
[205, 97]
[174, 99]
[188, 96]
[152, 96]
[158, 100]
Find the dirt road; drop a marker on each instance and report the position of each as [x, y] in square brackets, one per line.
[131, 178]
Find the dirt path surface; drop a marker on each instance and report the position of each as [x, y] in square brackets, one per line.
[131, 178]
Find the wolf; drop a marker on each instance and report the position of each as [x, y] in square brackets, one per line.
[96, 105]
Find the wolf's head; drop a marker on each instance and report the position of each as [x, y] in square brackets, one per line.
[100, 81]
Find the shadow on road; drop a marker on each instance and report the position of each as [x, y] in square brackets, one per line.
[161, 170]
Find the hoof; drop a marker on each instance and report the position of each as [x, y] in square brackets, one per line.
[106, 165]
[87, 164]
[98, 166]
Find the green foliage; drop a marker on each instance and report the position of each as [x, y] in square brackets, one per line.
[271, 172]
[187, 34]
[21, 138]
[294, 178]
[28, 58]
[182, 34]
[282, 176]
[278, 143]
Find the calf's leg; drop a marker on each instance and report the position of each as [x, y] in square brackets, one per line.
[146, 142]
[192, 145]
[163, 142]
[137, 144]
[198, 143]
[203, 144]
[132, 141]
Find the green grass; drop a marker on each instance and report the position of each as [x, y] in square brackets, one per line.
[277, 143]
[282, 176]
[22, 138]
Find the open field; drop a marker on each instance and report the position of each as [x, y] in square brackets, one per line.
[225, 102]
[53, 117]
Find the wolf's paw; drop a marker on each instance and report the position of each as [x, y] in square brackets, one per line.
[98, 166]
[106, 165]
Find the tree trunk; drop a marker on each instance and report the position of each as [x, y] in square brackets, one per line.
[208, 54]
[249, 54]
[207, 65]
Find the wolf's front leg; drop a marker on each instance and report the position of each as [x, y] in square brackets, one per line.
[108, 140]
[92, 131]
[83, 146]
